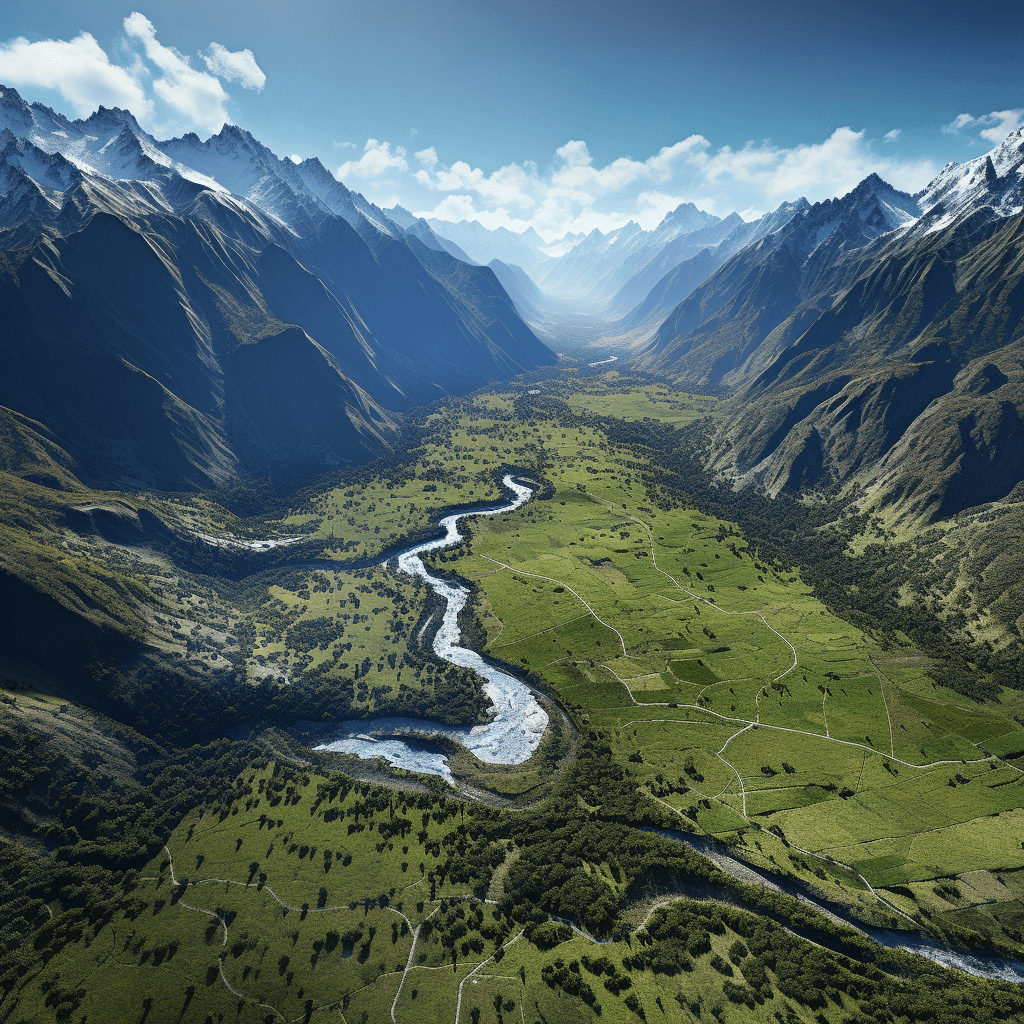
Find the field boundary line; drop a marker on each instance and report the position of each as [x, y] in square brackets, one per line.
[540, 632]
[458, 1002]
[551, 579]
[713, 604]
[789, 729]
[412, 950]
[885, 700]
[739, 778]
[223, 924]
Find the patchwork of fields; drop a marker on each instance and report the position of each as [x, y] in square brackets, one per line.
[711, 691]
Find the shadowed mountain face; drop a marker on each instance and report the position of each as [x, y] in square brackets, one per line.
[877, 338]
[177, 313]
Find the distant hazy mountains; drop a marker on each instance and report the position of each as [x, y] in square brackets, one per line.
[613, 270]
[875, 338]
[176, 312]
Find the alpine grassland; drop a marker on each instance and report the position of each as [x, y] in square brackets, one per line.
[750, 765]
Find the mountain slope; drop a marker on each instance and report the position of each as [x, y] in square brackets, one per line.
[689, 271]
[731, 316]
[876, 339]
[601, 264]
[519, 286]
[179, 312]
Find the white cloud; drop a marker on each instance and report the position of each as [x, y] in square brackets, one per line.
[376, 159]
[461, 207]
[343, 145]
[78, 69]
[574, 194]
[893, 135]
[815, 170]
[238, 67]
[993, 127]
[1003, 122]
[195, 94]
[295, 158]
[82, 72]
[452, 208]
[577, 170]
[510, 184]
[959, 122]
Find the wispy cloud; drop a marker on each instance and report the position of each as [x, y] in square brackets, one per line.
[159, 84]
[892, 136]
[377, 158]
[993, 127]
[196, 95]
[833, 166]
[238, 67]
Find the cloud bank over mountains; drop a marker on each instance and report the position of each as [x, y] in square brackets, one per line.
[162, 87]
[575, 194]
[171, 92]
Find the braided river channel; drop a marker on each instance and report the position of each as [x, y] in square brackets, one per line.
[518, 721]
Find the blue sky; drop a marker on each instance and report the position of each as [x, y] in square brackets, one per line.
[566, 116]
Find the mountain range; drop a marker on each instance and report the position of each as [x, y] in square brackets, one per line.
[180, 313]
[875, 339]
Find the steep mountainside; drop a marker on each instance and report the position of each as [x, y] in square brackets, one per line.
[690, 266]
[650, 270]
[179, 312]
[519, 286]
[877, 338]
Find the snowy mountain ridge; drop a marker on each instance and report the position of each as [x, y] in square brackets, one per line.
[111, 144]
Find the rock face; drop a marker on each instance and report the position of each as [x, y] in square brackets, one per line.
[178, 313]
[877, 338]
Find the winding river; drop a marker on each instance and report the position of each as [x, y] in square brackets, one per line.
[518, 721]
[976, 962]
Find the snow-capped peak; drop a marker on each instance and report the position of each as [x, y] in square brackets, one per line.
[995, 179]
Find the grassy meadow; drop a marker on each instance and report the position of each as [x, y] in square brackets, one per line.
[709, 691]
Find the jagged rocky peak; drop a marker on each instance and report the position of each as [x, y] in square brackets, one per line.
[685, 218]
[994, 180]
[108, 119]
[882, 206]
[51, 170]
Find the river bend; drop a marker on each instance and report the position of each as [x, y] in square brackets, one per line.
[518, 721]
[516, 728]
